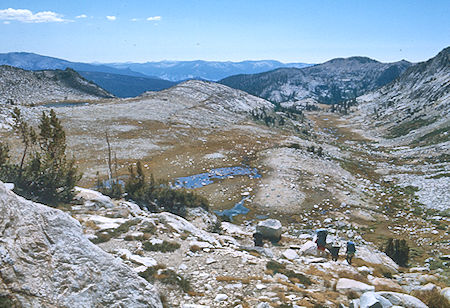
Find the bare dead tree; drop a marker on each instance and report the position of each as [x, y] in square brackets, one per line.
[109, 156]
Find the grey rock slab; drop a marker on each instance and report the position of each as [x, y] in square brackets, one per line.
[373, 300]
[404, 300]
[47, 261]
[345, 285]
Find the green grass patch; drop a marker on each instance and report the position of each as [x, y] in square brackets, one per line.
[434, 137]
[440, 175]
[406, 127]
[6, 302]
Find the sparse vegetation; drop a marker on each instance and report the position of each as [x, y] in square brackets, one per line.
[165, 246]
[103, 236]
[6, 302]
[47, 176]
[276, 267]
[432, 299]
[397, 250]
[406, 127]
[167, 276]
[159, 196]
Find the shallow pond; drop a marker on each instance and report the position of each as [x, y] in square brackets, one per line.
[65, 104]
[238, 209]
[203, 179]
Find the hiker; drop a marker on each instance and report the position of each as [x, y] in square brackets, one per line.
[335, 251]
[350, 251]
[321, 240]
[258, 239]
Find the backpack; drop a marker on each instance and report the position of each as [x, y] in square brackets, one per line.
[351, 247]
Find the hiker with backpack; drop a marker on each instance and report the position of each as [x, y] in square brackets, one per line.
[334, 250]
[351, 249]
[321, 240]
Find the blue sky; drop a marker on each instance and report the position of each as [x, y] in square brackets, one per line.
[286, 30]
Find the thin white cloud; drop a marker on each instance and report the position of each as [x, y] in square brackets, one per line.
[81, 16]
[111, 18]
[134, 19]
[6, 22]
[154, 18]
[27, 16]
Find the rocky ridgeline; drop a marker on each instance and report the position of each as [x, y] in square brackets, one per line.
[329, 82]
[21, 87]
[413, 108]
[46, 260]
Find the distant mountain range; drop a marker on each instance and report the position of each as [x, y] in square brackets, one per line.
[21, 87]
[35, 62]
[207, 70]
[330, 82]
[132, 79]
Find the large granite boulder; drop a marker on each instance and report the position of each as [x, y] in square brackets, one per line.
[46, 261]
[373, 300]
[346, 285]
[405, 300]
[376, 257]
[270, 229]
[309, 249]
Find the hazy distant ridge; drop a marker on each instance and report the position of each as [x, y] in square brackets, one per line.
[209, 70]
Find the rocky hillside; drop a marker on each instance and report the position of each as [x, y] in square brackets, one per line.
[21, 87]
[47, 261]
[415, 108]
[330, 82]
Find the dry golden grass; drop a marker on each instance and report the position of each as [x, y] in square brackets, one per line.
[255, 253]
[91, 225]
[389, 289]
[432, 299]
[291, 287]
[195, 248]
[244, 280]
[282, 296]
[322, 297]
[193, 293]
[352, 275]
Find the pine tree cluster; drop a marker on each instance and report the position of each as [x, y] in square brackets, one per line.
[44, 173]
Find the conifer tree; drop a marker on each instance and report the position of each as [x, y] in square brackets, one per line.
[48, 176]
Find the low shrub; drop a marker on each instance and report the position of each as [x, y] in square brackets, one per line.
[103, 236]
[160, 196]
[166, 276]
[195, 248]
[165, 246]
[6, 302]
[276, 267]
[397, 250]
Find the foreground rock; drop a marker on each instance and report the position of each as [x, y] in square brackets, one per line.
[46, 260]
[270, 229]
